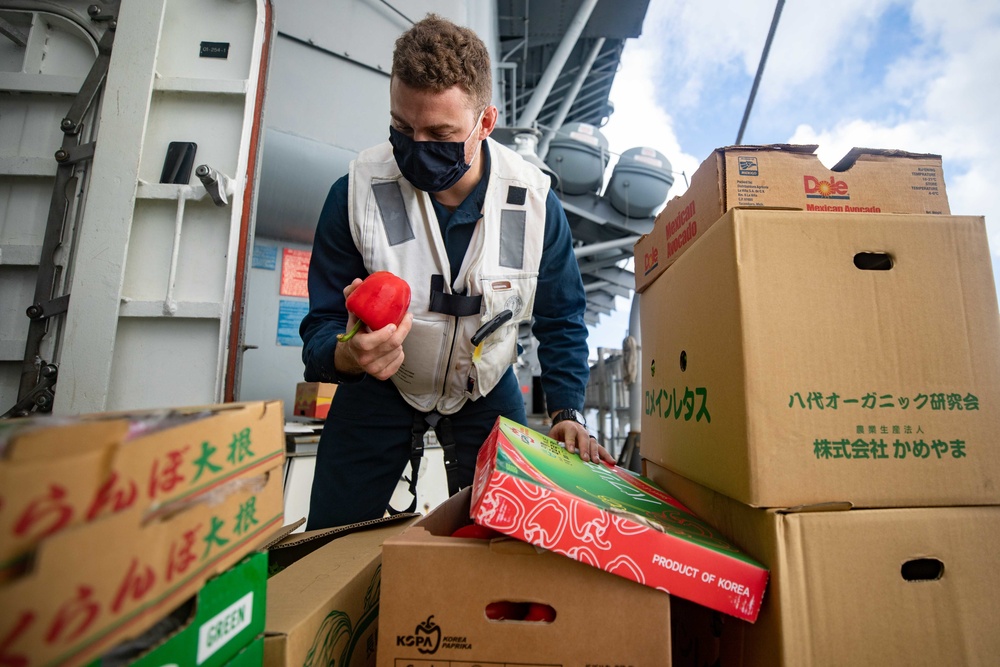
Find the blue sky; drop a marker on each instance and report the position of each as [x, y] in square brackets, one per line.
[919, 76]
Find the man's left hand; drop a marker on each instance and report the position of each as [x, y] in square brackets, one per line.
[578, 440]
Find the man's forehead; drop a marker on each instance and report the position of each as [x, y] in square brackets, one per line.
[441, 116]
[448, 104]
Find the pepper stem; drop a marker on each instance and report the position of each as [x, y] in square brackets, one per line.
[344, 337]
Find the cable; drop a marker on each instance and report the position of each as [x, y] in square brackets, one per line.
[397, 11]
[760, 69]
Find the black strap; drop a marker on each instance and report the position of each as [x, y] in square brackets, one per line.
[457, 305]
[420, 427]
[446, 437]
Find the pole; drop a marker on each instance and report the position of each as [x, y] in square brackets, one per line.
[554, 68]
[760, 69]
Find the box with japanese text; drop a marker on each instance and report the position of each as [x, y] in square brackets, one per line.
[887, 586]
[313, 399]
[59, 472]
[323, 604]
[529, 487]
[440, 595]
[798, 358]
[208, 630]
[866, 180]
[91, 586]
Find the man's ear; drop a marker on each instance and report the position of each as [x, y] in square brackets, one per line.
[489, 121]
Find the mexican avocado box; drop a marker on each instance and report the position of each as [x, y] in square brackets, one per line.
[529, 487]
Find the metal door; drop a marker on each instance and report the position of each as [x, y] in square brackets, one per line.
[128, 160]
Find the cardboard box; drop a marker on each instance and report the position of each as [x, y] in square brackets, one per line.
[223, 619]
[56, 473]
[323, 604]
[779, 373]
[91, 586]
[788, 176]
[435, 589]
[251, 656]
[897, 586]
[312, 399]
[529, 487]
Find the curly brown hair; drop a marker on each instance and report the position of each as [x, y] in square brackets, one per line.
[437, 54]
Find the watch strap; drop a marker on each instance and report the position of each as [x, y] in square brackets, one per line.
[569, 414]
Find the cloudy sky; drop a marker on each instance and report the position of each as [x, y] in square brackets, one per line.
[919, 75]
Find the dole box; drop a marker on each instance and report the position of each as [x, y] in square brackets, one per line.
[866, 180]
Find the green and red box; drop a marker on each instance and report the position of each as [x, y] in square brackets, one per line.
[529, 487]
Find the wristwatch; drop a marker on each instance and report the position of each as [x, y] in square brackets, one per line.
[569, 414]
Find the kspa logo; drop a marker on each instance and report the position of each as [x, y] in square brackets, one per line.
[819, 189]
[426, 637]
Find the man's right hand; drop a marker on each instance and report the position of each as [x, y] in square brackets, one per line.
[378, 353]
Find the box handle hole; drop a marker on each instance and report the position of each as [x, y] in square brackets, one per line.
[873, 261]
[532, 612]
[684, 360]
[922, 569]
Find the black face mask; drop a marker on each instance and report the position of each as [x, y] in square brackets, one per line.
[431, 166]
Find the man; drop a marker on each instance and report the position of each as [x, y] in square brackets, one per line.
[484, 245]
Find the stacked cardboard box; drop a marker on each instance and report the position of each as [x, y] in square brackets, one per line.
[218, 627]
[823, 388]
[437, 591]
[880, 586]
[323, 595]
[789, 176]
[111, 521]
[313, 399]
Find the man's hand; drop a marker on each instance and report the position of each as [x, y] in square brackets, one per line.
[578, 439]
[378, 353]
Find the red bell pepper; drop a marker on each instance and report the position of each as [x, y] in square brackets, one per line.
[381, 299]
[475, 531]
[505, 610]
[540, 613]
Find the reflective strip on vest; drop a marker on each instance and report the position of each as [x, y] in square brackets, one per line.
[390, 205]
[512, 238]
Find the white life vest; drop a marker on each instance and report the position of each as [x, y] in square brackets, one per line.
[395, 229]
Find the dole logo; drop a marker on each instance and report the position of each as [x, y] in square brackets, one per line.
[651, 260]
[816, 187]
[426, 637]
